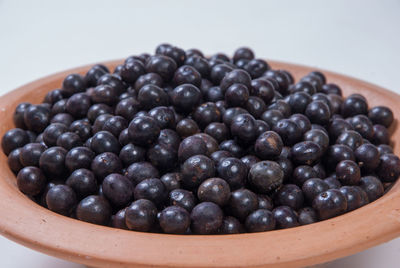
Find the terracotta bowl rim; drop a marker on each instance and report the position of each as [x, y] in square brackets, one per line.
[36, 227]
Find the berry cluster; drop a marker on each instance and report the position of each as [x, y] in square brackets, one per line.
[181, 143]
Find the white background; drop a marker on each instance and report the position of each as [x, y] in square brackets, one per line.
[358, 38]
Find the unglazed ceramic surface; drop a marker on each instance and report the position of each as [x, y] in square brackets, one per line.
[38, 228]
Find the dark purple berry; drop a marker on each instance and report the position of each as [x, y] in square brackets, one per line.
[381, 115]
[265, 176]
[214, 190]
[141, 215]
[260, 220]
[94, 209]
[389, 168]
[206, 218]
[83, 182]
[242, 202]
[61, 199]
[290, 195]
[372, 186]
[140, 171]
[307, 215]
[182, 198]
[31, 180]
[105, 164]
[268, 145]
[174, 220]
[285, 217]
[195, 170]
[117, 189]
[230, 225]
[143, 130]
[329, 204]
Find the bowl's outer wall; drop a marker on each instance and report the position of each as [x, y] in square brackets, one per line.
[36, 227]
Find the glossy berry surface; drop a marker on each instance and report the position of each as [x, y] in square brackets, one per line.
[290, 195]
[31, 180]
[348, 172]
[61, 199]
[83, 182]
[196, 169]
[105, 164]
[14, 139]
[268, 145]
[318, 112]
[307, 215]
[143, 130]
[389, 168]
[171, 181]
[206, 218]
[367, 157]
[233, 171]
[242, 202]
[285, 217]
[288, 130]
[30, 154]
[52, 161]
[353, 197]
[174, 220]
[185, 97]
[79, 157]
[265, 176]
[214, 190]
[236, 95]
[231, 225]
[260, 220]
[329, 204]
[313, 187]
[104, 141]
[306, 153]
[149, 189]
[302, 173]
[372, 186]
[243, 127]
[182, 198]
[141, 215]
[381, 115]
[117, 189]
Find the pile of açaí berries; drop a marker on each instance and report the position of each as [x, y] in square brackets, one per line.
[180, 143]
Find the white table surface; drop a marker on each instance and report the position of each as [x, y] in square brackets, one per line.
[358, 38]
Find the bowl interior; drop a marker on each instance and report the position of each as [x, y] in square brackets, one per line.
[36, 227]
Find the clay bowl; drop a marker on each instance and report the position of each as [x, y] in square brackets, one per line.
[38, 228]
